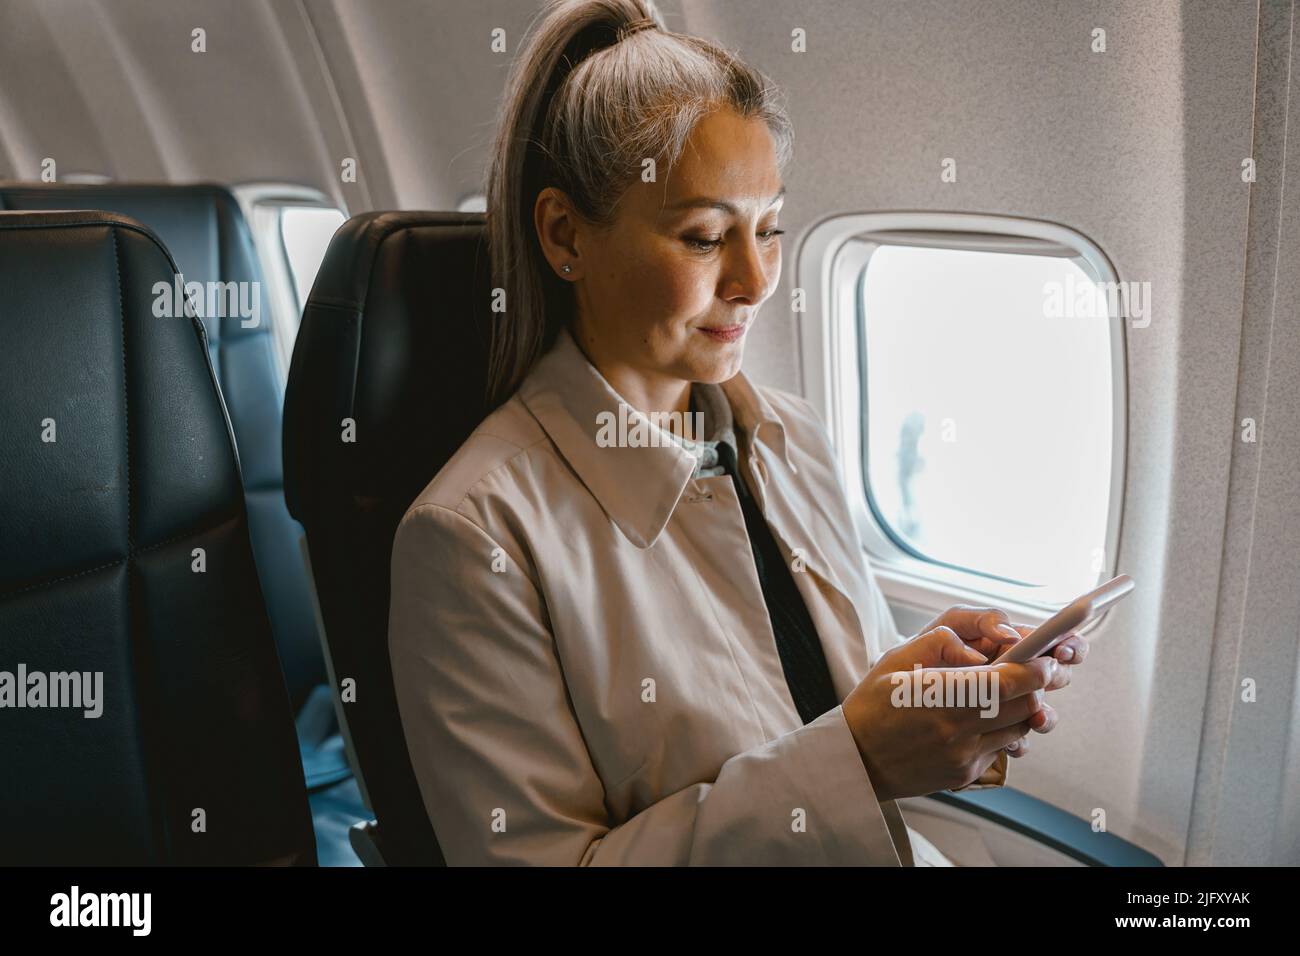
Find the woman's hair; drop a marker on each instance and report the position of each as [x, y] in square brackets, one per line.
[598, 87]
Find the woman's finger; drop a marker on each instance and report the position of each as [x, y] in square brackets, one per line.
[976, 624]
[1044, 722]
[1072, 650]
[993, 624]
[1064, 674]
[1002, 739]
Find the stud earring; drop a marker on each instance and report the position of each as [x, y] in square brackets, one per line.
[566, 269]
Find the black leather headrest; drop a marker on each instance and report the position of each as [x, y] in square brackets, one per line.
[393, 337]
[197, 222]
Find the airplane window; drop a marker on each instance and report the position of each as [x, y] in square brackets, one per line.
[988, 412]
[306, 232]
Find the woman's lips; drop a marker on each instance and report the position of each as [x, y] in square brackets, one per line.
[729, 333]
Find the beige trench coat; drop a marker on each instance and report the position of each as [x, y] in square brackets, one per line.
[583, 659]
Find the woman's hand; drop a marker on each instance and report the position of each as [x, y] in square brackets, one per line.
[1068, 653]
[987, 630]
[911, 751]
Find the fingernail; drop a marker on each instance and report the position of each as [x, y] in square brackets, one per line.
[1009, 631]
[1014, 745]
[1065, 654]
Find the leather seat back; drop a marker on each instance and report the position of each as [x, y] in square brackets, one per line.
[124, 553]
[394, 341]
[204, 229]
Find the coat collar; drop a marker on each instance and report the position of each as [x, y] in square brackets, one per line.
[638, 486]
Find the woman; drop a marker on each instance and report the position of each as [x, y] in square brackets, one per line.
[616, 644]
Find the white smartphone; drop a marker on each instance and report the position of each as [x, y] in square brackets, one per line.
[1078, 612]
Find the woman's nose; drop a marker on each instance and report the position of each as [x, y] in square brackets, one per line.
[747, 275]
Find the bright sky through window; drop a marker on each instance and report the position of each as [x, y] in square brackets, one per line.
[989, 426]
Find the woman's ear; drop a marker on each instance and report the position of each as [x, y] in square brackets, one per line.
[556, 225]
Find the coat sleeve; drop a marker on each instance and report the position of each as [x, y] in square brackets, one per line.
[501, 760]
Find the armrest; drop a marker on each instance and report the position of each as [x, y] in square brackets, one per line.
[1049, 825]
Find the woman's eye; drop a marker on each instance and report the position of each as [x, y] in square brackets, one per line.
[707, 245]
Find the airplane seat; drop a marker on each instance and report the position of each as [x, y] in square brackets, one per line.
[147, 719]
[385, 384]
[203, 228]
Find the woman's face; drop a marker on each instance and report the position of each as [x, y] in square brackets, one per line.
[668, 293]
